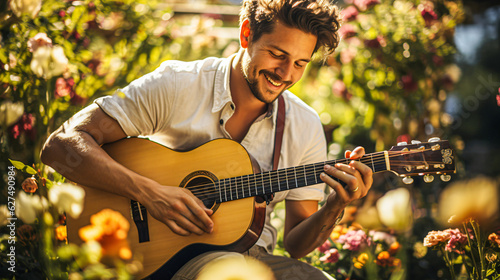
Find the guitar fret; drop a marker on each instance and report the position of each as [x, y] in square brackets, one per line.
[220, 192]
[373, 165]
[262, 179]
[305, 175]
[314, 173]
[255, 182]
[278, 176]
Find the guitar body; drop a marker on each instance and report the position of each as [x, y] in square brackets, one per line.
[237, 223]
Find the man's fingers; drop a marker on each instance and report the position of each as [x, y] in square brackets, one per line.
[357, 153]
[200, 214]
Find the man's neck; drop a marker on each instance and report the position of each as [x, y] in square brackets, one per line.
[243, 98]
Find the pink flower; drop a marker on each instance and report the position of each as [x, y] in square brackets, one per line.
[409, 85]
[63, 88]
[331, 256]
[325, 246]
[354, 240]
[376, 43]
[25, 124]
[366, 4]
[39, 40]
[339, 89]
[429, 16]
[347, 31]
[498, 97]
[456, 239]
[350, 13]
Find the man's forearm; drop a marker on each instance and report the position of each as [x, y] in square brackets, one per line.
[312, 232]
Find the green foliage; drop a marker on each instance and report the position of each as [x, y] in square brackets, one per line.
[390, 74]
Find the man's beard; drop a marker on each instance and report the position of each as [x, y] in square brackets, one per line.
[253, 84]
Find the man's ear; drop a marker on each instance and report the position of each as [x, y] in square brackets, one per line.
[245, 33]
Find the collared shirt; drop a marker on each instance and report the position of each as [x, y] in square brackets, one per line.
[183, 105]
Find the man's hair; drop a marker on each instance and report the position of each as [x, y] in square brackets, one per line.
[317, 17]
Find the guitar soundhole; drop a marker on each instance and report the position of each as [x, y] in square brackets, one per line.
[204, 189]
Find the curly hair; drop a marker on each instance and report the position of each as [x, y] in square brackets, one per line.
[318, 17]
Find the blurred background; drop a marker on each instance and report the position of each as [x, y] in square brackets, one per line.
[405, 70]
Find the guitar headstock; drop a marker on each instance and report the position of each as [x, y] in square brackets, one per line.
[423, 159]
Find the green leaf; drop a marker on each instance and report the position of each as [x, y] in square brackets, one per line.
[17, 164]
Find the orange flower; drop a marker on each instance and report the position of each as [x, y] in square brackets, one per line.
[29, 185]
[384, 255]
[494, 238]
[61, 233]
[363, 258]
[110, 229]
[393, 249]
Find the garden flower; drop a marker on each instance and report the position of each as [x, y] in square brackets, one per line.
[433, 238]
[29, 185]
[408, 83]
[429, 16]
[325, 246]
[61, 233]
[394, 209]
[476, 198]
[236, 268]
[29, 206]
[366, 4]
[382, 236]
[349, 14]
[347, 31]
[331, 256]
[24, 125]
[456, 239]
[63, 87]
[354, 240]
[39, 40]
[67, 198]
[494, 238]
[110, 229]
[10, 112]
[30, 7]
[48, 62]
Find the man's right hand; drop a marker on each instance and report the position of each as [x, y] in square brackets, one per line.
[179, 209]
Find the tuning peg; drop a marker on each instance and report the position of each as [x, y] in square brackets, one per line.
[428, 178]
[402, 143]
[445, 178]
[407, 180]
[434, 139]
[415, 142]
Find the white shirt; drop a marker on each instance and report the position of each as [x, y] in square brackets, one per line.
[183, 105]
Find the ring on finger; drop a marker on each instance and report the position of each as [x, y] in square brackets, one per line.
[356, 189]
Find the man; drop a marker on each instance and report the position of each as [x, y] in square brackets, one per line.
[185, 104]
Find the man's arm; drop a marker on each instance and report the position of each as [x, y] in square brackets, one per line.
[74, 150]
[306, 227]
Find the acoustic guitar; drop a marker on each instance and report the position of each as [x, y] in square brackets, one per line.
[223, 175]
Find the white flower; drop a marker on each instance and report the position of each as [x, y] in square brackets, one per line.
[30, 7]
[394, 209]
[48, 62]
[39, 40]
[10, 112]
[29, 206]
[67, 198]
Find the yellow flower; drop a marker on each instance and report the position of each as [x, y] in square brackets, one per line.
[236, 268]
[10, 112]
[110, 229]
[394, 209]
[476, 198]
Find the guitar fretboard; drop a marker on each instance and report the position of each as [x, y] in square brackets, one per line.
[269, 182]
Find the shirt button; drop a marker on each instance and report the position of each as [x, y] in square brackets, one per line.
[221, 121]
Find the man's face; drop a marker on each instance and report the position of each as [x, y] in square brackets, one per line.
[276, 61]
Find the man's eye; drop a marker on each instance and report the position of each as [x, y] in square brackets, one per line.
[276, 55]
[298, 65]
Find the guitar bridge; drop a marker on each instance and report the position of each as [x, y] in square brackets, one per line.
[139, 215]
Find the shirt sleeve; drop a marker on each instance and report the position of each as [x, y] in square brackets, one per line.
[144, 105]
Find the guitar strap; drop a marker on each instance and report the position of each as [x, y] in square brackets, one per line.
[278, 136]
[278, 139]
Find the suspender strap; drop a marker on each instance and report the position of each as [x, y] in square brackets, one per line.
[280, 127]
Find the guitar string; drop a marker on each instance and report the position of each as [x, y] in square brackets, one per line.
[252, 179]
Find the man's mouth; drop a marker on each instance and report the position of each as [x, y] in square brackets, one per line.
[273, 82]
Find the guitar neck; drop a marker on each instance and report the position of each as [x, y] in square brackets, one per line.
[269, 182]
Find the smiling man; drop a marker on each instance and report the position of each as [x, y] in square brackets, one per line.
[185, 104]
